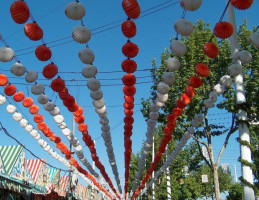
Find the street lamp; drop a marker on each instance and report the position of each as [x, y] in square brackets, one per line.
[181, 183]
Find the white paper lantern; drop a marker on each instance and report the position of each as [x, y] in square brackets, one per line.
[254, 39]
[89, 71]
[190, 5]
[154, 108]
[163, 88]
[75, 10]
[74, 141]
[190, 130]
[41, 142]
[195, 123]
[105, 128]
[34, 133]
[98, 103]
[183, 27]
[168, 78]
[159, 103]
[104, 121]
[80, 154]
[151, 129]
[43, 99]
[28, 128]
[37, 89]
[219, 89]
[62, 125]
[17, 116]
[23, 123]
[49, 106]
[6, 54]
[37, 137]
[235, 69]
[173, 64]
[213, 96]
[178, 48]
[81, 34]
[226, 81]
[47, 148]
[86, 56]
[66, 131]
[208, 104]
[244, 56]
[18, 69]
[100, 110]
[149, 140]
[199, 117]
[96, 95]
[31, 76]
[2, 99]
[93, 84]
[149, 134]
[58, 119]
[55, 111]
[153, 115]
[151, 122]
[79, 148]
[106, 135]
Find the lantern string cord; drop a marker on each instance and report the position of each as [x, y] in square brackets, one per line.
[9, 135]
[224, 11]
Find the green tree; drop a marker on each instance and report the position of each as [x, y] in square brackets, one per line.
[235, 192]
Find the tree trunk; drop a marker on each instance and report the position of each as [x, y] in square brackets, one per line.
[216, 181]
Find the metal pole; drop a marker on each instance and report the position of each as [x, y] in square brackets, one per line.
[235, 172]
[242, 114]
[168, 188]
[70, 171]
[153, 173]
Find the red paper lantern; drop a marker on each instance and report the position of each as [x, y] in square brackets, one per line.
[168, 130]
[69, 101]
[128, 112]
[127, 133]
[52, 137]
[180, 104]
[27, 102]
[73, 108]
[173, 117]
[129, 99]
[19, 96]
[34, 109]
[223, 30]
[128, 120]
[202, 70]
[128, 28]
[129, 66]
[3, 80]
[242, 4]
[58, 140]
[80, 119]
[131, 8]
[189, 91]
[129, 79]
[38, 118]
[128, 106]
[185, 99]
[195, 82]
[58, 84]
[59, 145]
[50, 71]
[42, 125]
[211, 50]
[33, 31]
[64, 150]
[63, 94]
[130, 50]
[10, 90]
[19, 12]
[128, 127]
[129, 90]
[78, 112]
[171, 125]
[43, 53]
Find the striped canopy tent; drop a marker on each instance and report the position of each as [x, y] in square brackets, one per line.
[63, 180]
[9, 156]
[34, 167]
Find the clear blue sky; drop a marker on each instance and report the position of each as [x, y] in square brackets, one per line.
[153, 34]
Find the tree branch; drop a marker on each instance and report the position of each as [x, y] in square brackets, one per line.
[199, 147]
[231, 131]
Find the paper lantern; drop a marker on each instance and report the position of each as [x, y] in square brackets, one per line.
[226, 81]
[2, 99]
[202, 70]
[128, 112]
[153, 115]
[129, 66]
[180, 104]
[20, 12]
[34, 133]
[129, 90]
[159, 103]
[37, 89]
[183, 27]
[79, 112]
[80, 119]
[173, 64]
[6, 54]
[93, 84]
[86, 56]
[104, 121]
[18, 69]
[73, 108]
[3, 80]
[38, 118]
[178, 48]
[82, 127]
[69, 101]
[43, 53]
[242, 4]
[185, 99]
[28, 128]
[62, 125]
[58, 140]
[34, 109]
[9, 90]
[66, 131]
[10, 108]
[50, 71]
[17, 116]
[128, 28]
[89, 71]
[210, 49]
[55, 111]
[129, 99]
[19, 96]
[31, 76]
[58, 119]
[96, 95]
[81, 34]
[33, 31]
[208, 104]
[223, 30]
[42, 126]
[190, 5]
[101, 110]
[219, 89]
[189, 91]
[195, 123]
[163, 88]
[131, 8]
[49, 106]
[63, 94]
[57, 84]
[75, 10]
[130, 50]
[254, 39]
[43, 99]
[235, 69]
[168, 78]
[244, 56]
[213, 96]
[162, 97]
[195, 82]
[129, 79]
[27, 102]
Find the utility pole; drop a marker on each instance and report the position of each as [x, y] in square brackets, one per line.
[242, 114]
[235, 173]
[168, 184]
[153, 173]
[70, 170]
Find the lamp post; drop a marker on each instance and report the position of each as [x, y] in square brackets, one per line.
[181, 183]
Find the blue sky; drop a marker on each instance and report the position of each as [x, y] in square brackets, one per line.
[153, 34]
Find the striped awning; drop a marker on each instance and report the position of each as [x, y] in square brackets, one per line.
[62, 185]
[53, 174]
[34, 166]
[9, 155]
